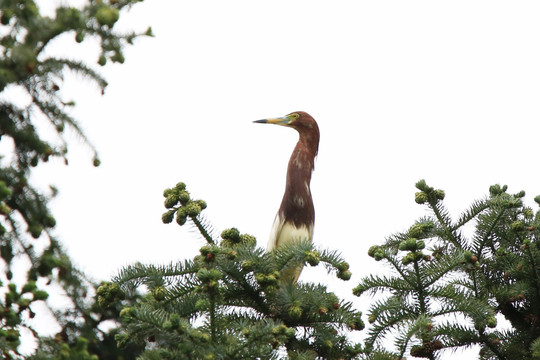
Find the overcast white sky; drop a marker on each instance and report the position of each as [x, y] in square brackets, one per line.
[402, 90]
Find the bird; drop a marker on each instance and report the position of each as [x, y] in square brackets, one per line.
[295, 218]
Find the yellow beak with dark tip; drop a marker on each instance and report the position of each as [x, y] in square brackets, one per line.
[285, 120]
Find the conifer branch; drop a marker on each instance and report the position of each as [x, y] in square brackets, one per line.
[396, 264]
[445, 222]
[374, 284]
[491, 226]
[435, 271]
[533, 262]
[476, 208]
[235, 290]
[202, 229]
[494, 277]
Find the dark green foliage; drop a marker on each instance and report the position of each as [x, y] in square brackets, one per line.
[228, 302]
[81, 338]
[492, 272]
[25, 219]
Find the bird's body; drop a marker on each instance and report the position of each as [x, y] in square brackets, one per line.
[296, 215]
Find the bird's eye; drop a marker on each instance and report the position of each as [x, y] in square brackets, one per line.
[295, 116]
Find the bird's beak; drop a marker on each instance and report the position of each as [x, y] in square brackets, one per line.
[284, 121]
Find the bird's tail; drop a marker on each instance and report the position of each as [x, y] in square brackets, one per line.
[291, 274]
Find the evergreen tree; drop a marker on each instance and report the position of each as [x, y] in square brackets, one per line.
[229, 303]
[451, 295]
[25, 218]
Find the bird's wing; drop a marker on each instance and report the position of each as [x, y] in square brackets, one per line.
[274, 233]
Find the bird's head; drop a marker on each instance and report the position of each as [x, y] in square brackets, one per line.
[299, 120]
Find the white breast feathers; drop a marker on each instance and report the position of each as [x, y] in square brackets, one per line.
[285, 232]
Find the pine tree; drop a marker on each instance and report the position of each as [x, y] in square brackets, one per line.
[25, 218]
[451, 295]
[228, 301]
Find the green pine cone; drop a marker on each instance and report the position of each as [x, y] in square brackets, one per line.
[379, 255]
[421, 185]
[372, 250]
[517, 225]
[407, 259]
[416, 231]
[181, 218]
[108, 292]
[295, 312]
[248, 240]
[290, 333]
[159, 293]
[344, 275]
[247, 265]
[107, 16]
[495, 190]
[420, 197]
[343, 266]
[193, 209]
[202, 204]
[171, 201]
[168, 216]
[439, 194]
[312, 257]
[279, 330]
[127, 314]
[180, 186]
[260, 278]
[232, 235]
[168, 192]
[328, 344]
[184, 198]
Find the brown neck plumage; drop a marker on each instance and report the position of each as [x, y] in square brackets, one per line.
[297, 204]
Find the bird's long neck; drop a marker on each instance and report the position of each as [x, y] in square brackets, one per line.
[297, 204]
